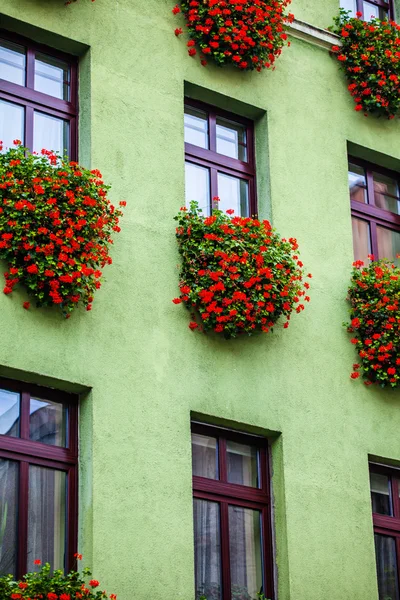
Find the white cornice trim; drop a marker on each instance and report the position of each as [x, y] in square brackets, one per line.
[313, 35]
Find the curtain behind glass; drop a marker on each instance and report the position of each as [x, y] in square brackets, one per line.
[8, 516]
[46, 517]
[207, 547]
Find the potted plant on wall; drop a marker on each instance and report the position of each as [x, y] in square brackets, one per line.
[56, 223]
[238, 276]
[248, 34]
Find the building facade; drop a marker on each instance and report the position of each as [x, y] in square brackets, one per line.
[97, 412]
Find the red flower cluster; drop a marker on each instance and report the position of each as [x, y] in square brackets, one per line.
[237, 276]
[370, 57]
[46, 584]
[374, 296]
[249, 34]
[55, 228]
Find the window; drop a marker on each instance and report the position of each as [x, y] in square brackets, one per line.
[375, 208]
[220, 162]
[232, 526]
[38, 97]
[385, 497]
[38, 477]
[381, 9]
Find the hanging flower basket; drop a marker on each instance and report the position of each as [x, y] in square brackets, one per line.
[53, 585]
[374, 296]
[248, 34]
[237, 275]
[55, 228]
[370, 58]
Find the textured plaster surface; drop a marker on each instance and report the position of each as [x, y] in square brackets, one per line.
[147, 371]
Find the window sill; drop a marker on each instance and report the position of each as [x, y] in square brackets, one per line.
[313, 35]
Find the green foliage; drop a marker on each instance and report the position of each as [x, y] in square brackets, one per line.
[374, 296]
[52, 585]
[56, 224]
[370, 57]
[237, 276]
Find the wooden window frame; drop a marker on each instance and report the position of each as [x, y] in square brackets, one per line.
[370, 213]
[217, 162]
[385, 524]
[219, 490]
[32, 100]
[24, 451]
[387, 6]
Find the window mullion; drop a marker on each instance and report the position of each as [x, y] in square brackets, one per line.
[25, 401]
[395, 497]
[374, 239]
[212, 131]
[370, 187]
[30, 68]
[29, 115]
[360, 6]
[225, 553]
[23, 500]
[214, 188]
[223, 471]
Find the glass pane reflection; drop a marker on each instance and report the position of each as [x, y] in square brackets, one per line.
[242, 464]
[50, 133]
[231, 139]
[245, 552]
[12, 119]
[46, 516]
[8, 516]
[207, 549]
[388, 243]
[234, 194]
[9, 413]
[197, 186]
[52, 76]
[380, 494]
[12, 62]
[204, 456]
[47, 422]
[357, 184]
[386, 566]
[361, 239]
[196, 127]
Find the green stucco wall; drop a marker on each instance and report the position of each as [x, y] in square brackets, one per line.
[142, 372]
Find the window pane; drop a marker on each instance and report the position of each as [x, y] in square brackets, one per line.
[204, 456]
[46, 516]
[242, 464]
[50, 133]
[207, 549]
[357, 184]
[47, 422]
[361, 239]
[8, 516]
[12, 118]
[197, 186]
[380, 494]
[52, 76]
[370, 10]
[386, 566]
[384, 189]
[196, 127]
[245, 552]
[9, 413]
[349, 5]
[12, 62]
[231, 139]
[388, 243]
[233, 193]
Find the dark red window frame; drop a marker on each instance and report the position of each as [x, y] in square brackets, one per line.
[387, 6]
[26, 452]
[215, 161]
[31, 99]
[385, 524]
[370, 212]
[219, 490]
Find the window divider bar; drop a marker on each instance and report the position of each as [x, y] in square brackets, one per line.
[212, 130]
[29, 118]
[30, 68]
[225, 552]
[374, 239]
[395, 497]
[24, 423]
[223, 470]
[370, 187]
[23, 500]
